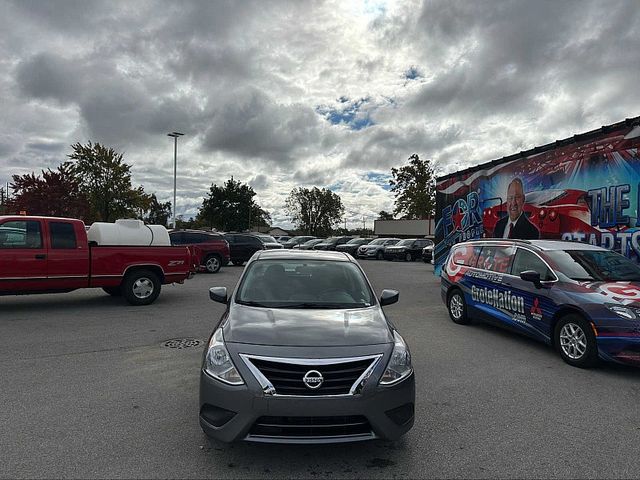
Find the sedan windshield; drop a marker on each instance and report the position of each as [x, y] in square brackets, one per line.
[268, 239]
[595, 265]
[304, 284]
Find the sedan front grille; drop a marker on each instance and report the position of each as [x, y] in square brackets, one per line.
[280, 376]
[311, 427]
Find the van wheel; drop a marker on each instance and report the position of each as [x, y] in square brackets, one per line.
[113, 291]
[457, 307]
[213, 264]
[575, 341]
[141, 287]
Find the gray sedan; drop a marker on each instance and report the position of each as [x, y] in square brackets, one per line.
[305, 354]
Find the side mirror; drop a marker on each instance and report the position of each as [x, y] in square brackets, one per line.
[388, 297]
[531, 276]
[218, 294]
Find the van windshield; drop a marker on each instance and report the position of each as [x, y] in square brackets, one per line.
[595, 265]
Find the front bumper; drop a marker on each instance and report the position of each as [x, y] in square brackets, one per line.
[367, 253]
[230, 413]
[395, 255]
[620, 349]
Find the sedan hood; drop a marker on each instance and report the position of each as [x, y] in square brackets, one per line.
[306, 327]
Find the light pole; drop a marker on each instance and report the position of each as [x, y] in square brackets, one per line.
[175, 136]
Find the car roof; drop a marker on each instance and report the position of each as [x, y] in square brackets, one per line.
[302, 255]
[544, 245]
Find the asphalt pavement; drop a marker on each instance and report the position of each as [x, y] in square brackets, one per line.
[91, 388]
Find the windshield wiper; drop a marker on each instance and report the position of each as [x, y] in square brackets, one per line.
[322, 305]
[250, 303]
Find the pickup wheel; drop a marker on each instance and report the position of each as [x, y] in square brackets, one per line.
[212, 263]
[113, 291]
[141, 287]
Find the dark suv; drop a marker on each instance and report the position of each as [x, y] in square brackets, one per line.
[408, 249]
[243, 246]
[211, 249]
[331, 243]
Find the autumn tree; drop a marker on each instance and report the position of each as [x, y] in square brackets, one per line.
[105, 181]
[314, 211]
[53, 193]
[231, 207]
[384, 215]
[157, 213]
[414, 186]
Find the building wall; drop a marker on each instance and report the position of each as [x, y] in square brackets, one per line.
[404, 228]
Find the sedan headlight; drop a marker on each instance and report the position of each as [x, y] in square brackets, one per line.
[218, 362]
[399, 366]
[624, 312]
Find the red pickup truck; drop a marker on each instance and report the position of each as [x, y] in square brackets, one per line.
[50, 255]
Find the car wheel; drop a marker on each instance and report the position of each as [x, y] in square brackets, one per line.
[380, 256]
[113, 291]
[212, 264]
[575, 341]
[237, 263]
[141, 287]
[457, 307]
[408, 257]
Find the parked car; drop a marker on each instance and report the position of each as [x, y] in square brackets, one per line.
[427, 252]
[304, 353]
[56, 255]
[331, 243]
[300, 239]
[309, 244]
[210, 249]
[408, 249]
[270, 243]
[375, 248]
[581, 299]
[351, 247]
[243, 246]
[283, 238]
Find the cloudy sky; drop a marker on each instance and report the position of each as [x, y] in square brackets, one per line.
[331, 94]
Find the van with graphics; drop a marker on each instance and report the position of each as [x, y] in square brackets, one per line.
[581, 299]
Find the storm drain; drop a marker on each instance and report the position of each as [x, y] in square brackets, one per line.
[181, 343]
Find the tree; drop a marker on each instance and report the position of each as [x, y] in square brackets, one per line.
[232, 208]
[157, 213]
[414, 187]
[314, 211]
[105, 180]
[384, 215]
[55, 193]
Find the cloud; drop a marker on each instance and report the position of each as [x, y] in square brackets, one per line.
[285, 94]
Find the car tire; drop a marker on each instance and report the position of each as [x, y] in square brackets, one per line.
[113, 291]
[408, 257]
[237, 263]
[141, 287]
[212, 264]
[575, 341]
[457, 307]
[380, 255]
